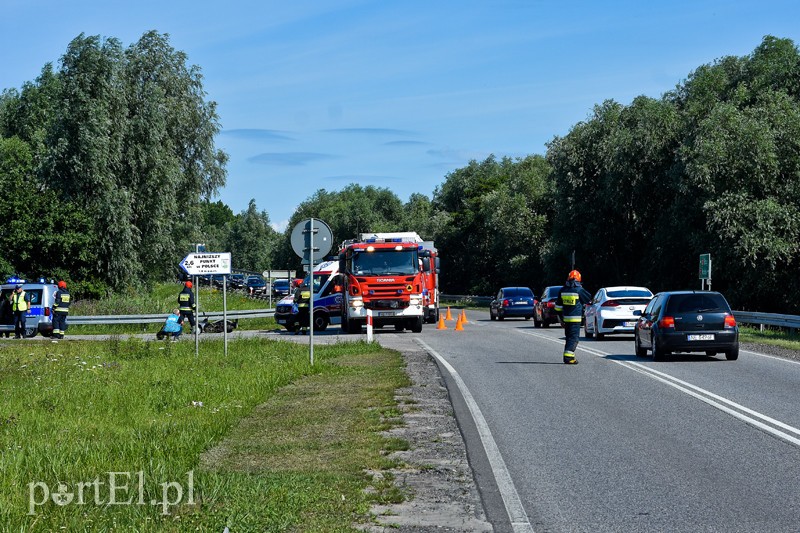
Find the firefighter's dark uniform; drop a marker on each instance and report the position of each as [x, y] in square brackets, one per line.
[302, 299]
[186, 306]
[569, 305]
[60, 310]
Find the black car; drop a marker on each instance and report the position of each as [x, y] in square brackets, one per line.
[236, 281]
[544, 312]
[687, 321]
[255, 284]
[280, 287]
[512, 301]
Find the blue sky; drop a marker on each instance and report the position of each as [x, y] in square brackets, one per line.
[319, 94]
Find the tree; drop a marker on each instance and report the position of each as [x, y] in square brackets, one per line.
[252, 241]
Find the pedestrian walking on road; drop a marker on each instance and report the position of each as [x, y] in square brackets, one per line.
[20, 304]
[569, 304]
[186, 304]
[61, 302]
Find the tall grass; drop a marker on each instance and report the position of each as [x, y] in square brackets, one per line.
[73, 412]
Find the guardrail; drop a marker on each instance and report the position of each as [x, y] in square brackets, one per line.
[767, 319]
[158, 318]
[466, 298]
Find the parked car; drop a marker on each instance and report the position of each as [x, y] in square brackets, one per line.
[687, 321]
[512, 302]
[236, 281]
[255, 285]
[280, 287]
[544, 312]
[611, 310]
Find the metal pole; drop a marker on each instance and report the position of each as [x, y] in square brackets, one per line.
[709, 271]
[225, 311]
[196, 310]
[311, 303]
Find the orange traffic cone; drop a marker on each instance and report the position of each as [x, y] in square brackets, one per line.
[459, 324]
[449, 316]
[463, 316]
[441, 324]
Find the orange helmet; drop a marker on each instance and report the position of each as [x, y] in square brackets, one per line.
[574, 275]
[62, 284]
[188, 284]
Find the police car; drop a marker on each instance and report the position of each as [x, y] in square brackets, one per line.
[39, 318]
[327, 302]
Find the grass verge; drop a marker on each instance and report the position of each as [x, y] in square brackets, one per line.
[284, 445]
[775, 337]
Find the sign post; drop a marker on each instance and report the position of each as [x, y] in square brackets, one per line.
[705, 271]
[202, 263]
[309, 248]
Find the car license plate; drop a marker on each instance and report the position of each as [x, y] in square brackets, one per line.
[629, 324]
[520, 303]
[703, 337]
[386, 313]
[280, 321]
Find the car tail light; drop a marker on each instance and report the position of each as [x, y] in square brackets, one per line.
[551, 304]
[667, 322]
[47, 313]
[505, 303]
[730, 321]
[610, 303]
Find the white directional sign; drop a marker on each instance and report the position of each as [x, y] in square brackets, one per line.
[198, 264]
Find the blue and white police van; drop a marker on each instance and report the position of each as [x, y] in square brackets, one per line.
[39, 318]
[327, 303]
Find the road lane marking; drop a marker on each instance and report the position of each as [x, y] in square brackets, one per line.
[734, 409]
[505, 485]
[784, 359]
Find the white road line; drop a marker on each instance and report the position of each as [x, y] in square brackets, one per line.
[784, 359]
[734, 409]
[516, 512]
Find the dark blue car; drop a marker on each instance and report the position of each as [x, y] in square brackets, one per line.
[512, 302]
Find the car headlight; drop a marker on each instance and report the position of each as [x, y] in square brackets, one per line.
[414, 301]
[356, 302]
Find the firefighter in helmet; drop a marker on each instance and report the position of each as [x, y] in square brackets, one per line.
[569, 305]
[186, 304]
[61, 302]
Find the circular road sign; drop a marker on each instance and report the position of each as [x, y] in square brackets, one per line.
[301, 239]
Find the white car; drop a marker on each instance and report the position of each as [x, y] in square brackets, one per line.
[611, 310]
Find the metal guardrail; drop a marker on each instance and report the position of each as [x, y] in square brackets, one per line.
[158, 318]
[466, 298]
[767, 319]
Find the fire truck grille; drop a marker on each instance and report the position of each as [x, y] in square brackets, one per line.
[386, 304]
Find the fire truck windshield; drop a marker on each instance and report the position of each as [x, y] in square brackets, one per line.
[379, 262]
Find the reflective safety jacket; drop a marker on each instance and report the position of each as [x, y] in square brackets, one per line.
[302, 296]
[186, 300]
[20, 301]
[61, 301]
[570, 302]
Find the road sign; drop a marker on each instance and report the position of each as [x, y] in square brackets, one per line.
[200, 264]
[303, 236]
[278, 274]
[705, 266]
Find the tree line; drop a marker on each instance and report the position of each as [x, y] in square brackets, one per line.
[111, 158]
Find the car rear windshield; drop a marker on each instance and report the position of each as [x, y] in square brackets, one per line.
[518, 291]
[697, 302]
[630, 293]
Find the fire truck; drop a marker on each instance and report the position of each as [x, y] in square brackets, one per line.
[429, 261]
[381, 272]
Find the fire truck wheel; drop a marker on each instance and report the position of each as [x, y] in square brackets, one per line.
[353, 326]
[399, 327]
[417, 325]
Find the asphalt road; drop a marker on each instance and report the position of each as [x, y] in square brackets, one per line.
[620, 443]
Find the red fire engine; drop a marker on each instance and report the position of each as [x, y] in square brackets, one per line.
[381, 272]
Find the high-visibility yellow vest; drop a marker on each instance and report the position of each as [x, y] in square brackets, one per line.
[18, 302]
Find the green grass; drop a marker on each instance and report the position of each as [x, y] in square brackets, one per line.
[776, 337]
[283, 445]
[162, 299]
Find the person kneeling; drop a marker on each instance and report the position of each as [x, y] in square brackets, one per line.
[172, 327]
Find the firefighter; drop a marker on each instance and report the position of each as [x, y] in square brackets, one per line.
[61, 301]
[186, 304]
[20, 303]
[302, 300]
[569, 305]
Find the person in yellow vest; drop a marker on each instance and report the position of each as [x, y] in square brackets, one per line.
[61, 303]
[302, 299]
[20, 304]
[186, 304]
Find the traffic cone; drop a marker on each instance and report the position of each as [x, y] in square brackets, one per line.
[463, 316]
[449, 316]
[441, 324]
[459, 324]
